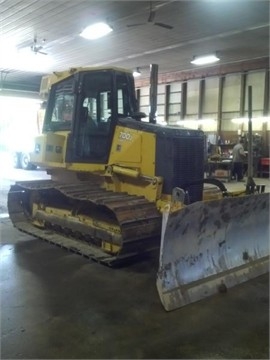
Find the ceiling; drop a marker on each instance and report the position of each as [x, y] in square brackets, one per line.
[237, 29]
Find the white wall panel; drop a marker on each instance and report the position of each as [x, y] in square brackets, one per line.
[173, 119]
[161, 89]
[228, 125]
[175, 98]
[174, 109]
[160, 110]
[231, 93]
[144, 91]
[192, 117]
[256, 80]
[230, 106]
[176, 87]
[145, 109]
[193, 97]
[211, 95]
[144, 100]
[161, 99]
[257, 125]
[209, 126]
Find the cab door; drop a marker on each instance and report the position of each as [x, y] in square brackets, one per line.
[103, 96]
[93, 125]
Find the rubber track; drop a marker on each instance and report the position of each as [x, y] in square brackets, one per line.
[139, 220]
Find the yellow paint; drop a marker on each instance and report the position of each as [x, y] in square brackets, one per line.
[148, 154]
[48, 80]
[37, 222]
[134, 149]
[215, 194]
[126, 147]
[84, 167]
[149, 188]
[125, 171]
[110, 248]
[109, 227]
[39, 157]
[50, 149]
[131, 161]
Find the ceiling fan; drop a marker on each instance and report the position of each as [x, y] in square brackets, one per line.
[36, 48]
[151, 18]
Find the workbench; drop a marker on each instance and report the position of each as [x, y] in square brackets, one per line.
[221, 169]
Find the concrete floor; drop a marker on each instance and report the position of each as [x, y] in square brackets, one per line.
[58, 305]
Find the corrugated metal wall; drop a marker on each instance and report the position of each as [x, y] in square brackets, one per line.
[234, 102]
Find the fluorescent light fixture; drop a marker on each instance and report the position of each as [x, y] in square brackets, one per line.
[96, 31]
[137, 72]
[206, 59]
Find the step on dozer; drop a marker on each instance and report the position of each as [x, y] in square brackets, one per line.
[208, 247]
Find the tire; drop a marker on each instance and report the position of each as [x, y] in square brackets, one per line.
[16, 160]
[25, 162]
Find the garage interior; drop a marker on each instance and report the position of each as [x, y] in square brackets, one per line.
[56, 304]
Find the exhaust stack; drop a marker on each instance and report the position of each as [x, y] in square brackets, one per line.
[153, 93]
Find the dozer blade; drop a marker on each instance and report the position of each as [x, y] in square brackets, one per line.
[208, 247]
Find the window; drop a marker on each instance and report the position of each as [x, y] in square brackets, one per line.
[63, 109]
[94, 116]
[60, 107]
[96, 95]
[125, 107]
[91, 105]
[120, 104]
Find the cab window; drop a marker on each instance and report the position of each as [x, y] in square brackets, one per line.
[94, 116]
[60, 107]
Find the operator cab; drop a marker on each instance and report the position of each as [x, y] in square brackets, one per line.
[88, 105]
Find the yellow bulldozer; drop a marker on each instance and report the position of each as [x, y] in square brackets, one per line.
[113, 175]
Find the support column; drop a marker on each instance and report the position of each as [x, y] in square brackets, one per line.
[183, 100]
[201, 98]
[266, 113]
[167, 102]
[243, 98]
[220, 101]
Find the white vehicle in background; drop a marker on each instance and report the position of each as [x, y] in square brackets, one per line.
[17, 153]
[21, 153]
[21, 160]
